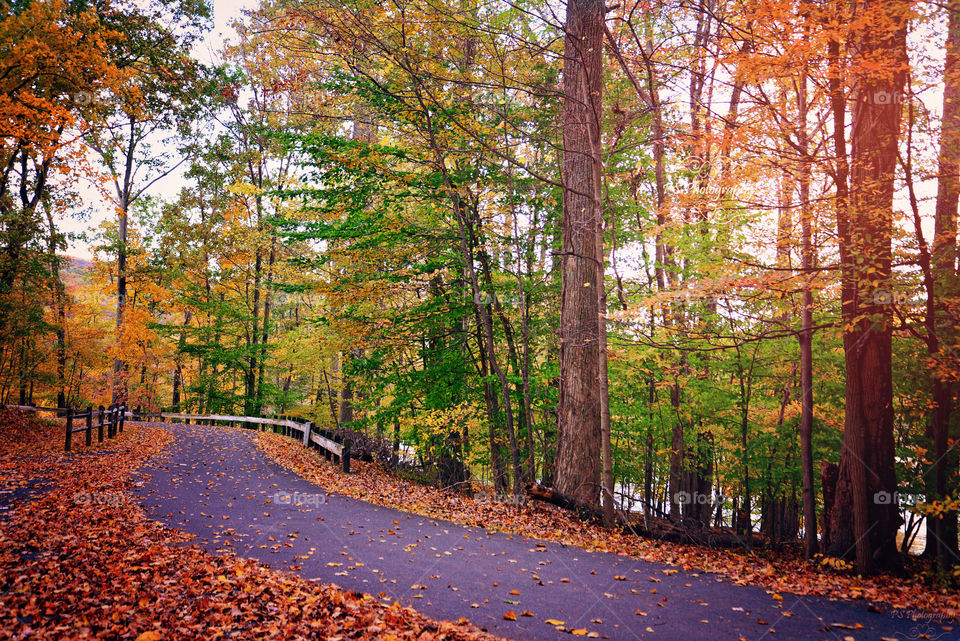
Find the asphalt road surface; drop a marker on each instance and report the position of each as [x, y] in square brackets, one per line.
[216, 484]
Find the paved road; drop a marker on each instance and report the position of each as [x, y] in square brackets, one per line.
[216, 484]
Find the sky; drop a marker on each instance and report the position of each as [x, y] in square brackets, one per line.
[224, 12]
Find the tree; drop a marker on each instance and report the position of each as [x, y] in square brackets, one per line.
[579, 409]
[166, 87]
[866, 516]
[943, 294]
[55, 63]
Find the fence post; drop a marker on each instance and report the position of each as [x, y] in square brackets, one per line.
[121, 416]
[69, 434]
[101, 419]
[307, 427]
[99, 427]
[345, 459]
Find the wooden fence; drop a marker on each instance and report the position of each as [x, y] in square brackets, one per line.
[333, 447]
[111, 419]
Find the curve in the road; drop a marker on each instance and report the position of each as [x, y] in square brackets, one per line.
[216, 484]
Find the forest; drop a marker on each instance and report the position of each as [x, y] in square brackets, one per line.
[690, 265]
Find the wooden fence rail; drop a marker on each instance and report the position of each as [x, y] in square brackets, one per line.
[111, 419]
[333, 447]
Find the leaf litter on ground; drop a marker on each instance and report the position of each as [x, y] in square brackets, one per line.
[83, 560]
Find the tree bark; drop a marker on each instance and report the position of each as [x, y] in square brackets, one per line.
[579, 410]
[866, 515]
[943, 530]
[806, 332]
[605, 436]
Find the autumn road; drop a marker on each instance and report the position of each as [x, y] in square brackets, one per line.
[216, 484]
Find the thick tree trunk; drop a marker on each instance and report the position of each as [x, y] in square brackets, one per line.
[866, 515]
[579, 411]
[943, 530]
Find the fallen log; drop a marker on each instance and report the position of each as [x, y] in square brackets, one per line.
[550, 495]
[660, 529]
[696, 534]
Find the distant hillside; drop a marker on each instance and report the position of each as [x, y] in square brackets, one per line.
[75, 270]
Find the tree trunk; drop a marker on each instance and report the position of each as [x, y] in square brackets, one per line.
[678, 446]
[579, 410]
[806, 333]
[866, 515]
[250, 379]
[346, 400]
[118, 362]
[943, 530]
[178, 363]
[605, 436]
[60, 306]
[265, 334]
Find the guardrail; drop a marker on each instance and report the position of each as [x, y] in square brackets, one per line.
[334, 448]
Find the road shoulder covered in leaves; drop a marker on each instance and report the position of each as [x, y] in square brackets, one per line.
[372, 483]
[82, 560]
